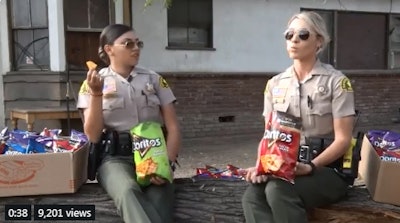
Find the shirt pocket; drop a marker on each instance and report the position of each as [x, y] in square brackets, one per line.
[282, 107]
[321, 117]
[321, 109]
[113, 103]
[149, 110]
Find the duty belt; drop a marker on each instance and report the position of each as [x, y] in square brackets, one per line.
[118, 143]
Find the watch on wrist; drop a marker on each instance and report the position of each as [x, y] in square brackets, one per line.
[313, 167]
[172, 165]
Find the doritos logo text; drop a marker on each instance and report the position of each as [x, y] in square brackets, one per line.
[275, 134]
[143, 144]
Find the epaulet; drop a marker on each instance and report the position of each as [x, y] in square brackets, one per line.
[330, 70]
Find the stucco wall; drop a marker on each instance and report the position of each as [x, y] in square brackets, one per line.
[4, 55]
[248, 35]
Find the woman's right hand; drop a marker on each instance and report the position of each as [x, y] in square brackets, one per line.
[94, 81]
[252, 177]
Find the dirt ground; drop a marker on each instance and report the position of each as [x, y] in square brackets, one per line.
[240, 151]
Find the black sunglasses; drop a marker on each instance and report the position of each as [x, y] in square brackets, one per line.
[302, 34]
[131, 44]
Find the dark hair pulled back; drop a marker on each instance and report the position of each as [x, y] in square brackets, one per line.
[107, 37]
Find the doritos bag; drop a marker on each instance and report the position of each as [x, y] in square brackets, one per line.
[150, 152]
[278, 149]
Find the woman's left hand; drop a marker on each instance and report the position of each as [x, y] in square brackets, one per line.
[157, 180]
[302, 169]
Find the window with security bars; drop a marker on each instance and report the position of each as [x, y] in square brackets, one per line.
[190, 24]
[394, 42]
[29, 34]
[83, 27]
[361, 40]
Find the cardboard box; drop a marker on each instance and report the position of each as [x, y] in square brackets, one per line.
[381, 177]
[44, 173]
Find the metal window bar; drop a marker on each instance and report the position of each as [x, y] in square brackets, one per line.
[25, 52]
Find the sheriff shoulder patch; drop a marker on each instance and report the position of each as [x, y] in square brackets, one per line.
[163, 83]
[84, 88]
[345, 84]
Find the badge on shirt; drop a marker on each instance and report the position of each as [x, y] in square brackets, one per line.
[163, 83]
[110, 86]
[322, 89]
[149, 89]
[345, 84]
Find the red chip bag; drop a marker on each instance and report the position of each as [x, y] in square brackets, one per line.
[278, 149]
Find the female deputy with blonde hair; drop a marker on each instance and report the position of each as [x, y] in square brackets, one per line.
[324, 100]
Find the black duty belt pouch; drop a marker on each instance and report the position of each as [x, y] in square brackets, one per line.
[315, 146]
[96, 151]
[319, 145]
[112, 143]
[118, 143]
[124, 144]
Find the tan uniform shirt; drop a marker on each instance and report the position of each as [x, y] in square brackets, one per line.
[324, 95]
[125, 104]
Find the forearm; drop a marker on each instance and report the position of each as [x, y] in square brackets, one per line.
[94, 119]
[343, 128]
[336, 150]
[173, 142]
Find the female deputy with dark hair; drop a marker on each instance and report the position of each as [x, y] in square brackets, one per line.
[117, 98]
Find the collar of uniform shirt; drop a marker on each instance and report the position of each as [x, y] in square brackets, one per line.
[318, 69]
[130, 78]
[132, 74]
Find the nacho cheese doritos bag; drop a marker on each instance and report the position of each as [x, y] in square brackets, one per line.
[278, 149]
[150, 152]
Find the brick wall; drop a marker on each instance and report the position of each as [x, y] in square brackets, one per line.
[215, 104]
[377, 98]
[204, 100]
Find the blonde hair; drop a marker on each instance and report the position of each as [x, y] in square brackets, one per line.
[317, 23]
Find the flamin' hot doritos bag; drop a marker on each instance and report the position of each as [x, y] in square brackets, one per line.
[278, 149]
[150, 152]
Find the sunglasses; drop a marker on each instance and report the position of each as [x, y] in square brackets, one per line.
[131, 44]
[303, 34]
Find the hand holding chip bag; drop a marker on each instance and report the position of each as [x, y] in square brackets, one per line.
[278, 149]
[150, 153]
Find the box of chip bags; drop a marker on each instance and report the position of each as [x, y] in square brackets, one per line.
[45, 163]
[150, 152]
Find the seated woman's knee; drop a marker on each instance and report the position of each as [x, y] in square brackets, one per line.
[275, 191]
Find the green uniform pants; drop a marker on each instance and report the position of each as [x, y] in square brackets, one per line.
[152, 204]
[278, 201]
